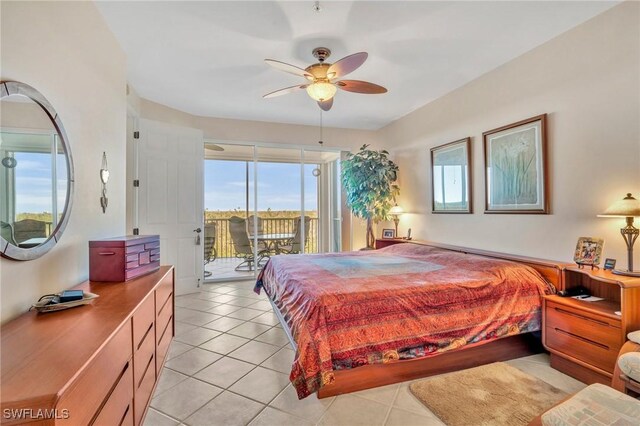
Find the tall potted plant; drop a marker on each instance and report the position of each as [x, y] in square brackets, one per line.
[368, 178]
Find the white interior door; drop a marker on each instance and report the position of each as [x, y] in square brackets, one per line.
[170, 197]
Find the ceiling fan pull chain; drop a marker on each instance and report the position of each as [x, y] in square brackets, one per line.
[321, 141]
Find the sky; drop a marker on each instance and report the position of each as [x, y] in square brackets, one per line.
[279, 186]
[33, 182]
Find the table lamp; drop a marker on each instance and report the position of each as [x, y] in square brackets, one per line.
[628, 207]
[396, 211]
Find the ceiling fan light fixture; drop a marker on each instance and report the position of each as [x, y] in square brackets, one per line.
[321, 91]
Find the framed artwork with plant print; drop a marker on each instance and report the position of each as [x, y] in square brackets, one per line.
[515, 173]
[451, 187]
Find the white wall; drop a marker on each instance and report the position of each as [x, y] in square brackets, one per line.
[66, 51]
[588, 81]
[259, 131]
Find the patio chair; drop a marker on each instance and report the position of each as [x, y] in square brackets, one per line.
[6, 231]
[243, 247]
[26, 229]
[210, 252]
[250, 228]
[294, 245]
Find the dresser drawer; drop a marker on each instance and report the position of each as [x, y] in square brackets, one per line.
[164, 317]
[142, 355]
[163, 344]
[164, 292]
[144, 389]
[143, 319]
[91, 388]
[120, 402]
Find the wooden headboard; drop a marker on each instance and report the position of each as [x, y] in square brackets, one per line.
[551, 270]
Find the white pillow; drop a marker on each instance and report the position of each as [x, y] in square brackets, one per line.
[629, 364]
[634, 336]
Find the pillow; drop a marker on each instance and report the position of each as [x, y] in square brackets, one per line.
[629, 364]
[634, 336]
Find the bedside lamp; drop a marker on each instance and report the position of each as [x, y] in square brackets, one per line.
[396, 211]
[628, 207]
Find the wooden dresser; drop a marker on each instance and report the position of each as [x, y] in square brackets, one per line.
[584, 338]
[95, 364]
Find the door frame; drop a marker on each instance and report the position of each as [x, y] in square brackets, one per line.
[302, 148]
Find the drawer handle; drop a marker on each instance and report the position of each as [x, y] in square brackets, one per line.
[145, 335]
[124, 416]
[106, 253]
[165, 303]
[113, 388]
[165, 329]
[600, 345]
[145, 371]
[582, 317]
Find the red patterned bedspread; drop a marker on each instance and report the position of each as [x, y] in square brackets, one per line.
[404, 301]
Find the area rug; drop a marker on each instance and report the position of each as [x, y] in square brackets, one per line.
[491, 395]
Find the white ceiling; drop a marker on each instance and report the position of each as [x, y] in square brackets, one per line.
[206, 58]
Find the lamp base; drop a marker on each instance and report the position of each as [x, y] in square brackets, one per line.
[627, 273]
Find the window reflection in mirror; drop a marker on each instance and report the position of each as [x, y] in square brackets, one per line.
[33, 173]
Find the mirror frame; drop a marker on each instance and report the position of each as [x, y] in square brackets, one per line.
[8, 250]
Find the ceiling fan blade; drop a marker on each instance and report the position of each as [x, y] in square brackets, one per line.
[326, 105]
[346, 65]
[285, 91]
[291, 69]
[358, 86]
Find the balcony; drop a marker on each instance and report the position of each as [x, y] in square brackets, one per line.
[225, 261]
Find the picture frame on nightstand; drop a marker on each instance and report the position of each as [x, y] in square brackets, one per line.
[609, 264]
[588, 251]
[388, 234]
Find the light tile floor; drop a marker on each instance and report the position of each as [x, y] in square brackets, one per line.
[229, 365]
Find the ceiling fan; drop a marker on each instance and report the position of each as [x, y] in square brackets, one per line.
[322, 76]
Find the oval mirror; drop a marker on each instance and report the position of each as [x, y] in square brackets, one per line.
[36, 173]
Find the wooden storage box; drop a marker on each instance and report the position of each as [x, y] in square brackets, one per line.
[123, 258]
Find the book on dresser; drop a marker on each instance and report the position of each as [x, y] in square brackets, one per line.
[584, 337]
[95, 364]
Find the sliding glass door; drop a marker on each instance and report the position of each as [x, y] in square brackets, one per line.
[265, 200]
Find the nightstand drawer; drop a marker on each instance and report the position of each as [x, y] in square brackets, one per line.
[599, 329]
[582, 348]
[583, 335]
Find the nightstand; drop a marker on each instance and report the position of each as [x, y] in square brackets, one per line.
[386, 242]
[584, 338]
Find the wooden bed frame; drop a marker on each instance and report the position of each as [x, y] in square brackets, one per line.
[370, 376]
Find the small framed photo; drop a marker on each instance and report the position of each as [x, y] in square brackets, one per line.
[588, 251]
[609, 264]
[388, 233]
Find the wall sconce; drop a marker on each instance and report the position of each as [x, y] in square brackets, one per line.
[395, 212]
[628, 207]
[104, 178]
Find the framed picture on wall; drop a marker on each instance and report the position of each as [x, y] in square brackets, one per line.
[515, 174]
[451, 187]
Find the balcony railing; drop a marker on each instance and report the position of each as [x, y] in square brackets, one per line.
[224, 243]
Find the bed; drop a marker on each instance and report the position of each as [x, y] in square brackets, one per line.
[363, 319]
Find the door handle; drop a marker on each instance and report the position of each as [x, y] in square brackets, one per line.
[197, 230]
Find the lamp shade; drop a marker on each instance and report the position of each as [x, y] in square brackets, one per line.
[627, 207]
[321, 91]
[396, 210]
